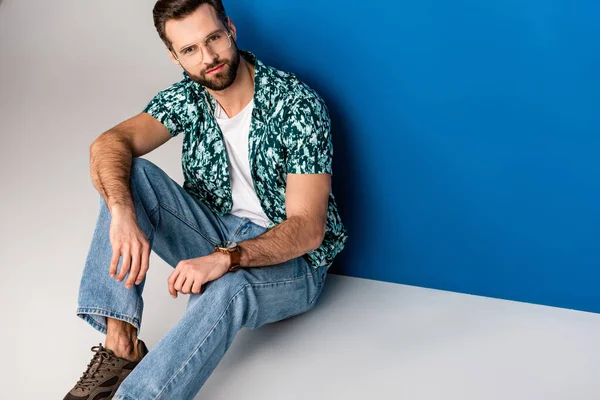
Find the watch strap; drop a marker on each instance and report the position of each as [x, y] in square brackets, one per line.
[235, 256]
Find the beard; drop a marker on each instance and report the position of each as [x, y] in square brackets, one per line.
[222, 79]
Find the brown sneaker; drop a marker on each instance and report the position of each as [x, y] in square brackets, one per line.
[104, 374]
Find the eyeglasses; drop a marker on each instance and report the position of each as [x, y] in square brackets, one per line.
[216, 42]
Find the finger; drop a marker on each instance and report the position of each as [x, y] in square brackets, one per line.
[135, 266]
[125, 264]
[197, 286]
[187, 285]
[145, 263]
[171, 281]
[112, 271]
[179, 282]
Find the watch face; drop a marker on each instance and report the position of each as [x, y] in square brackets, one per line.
[231, 245]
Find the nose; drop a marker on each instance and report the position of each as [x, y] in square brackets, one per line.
[208, 56]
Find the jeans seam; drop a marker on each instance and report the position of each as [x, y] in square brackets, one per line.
[215, 325]
[237, 231]
[284, 281]
[319, 286]
[184, 220]
[154, 210]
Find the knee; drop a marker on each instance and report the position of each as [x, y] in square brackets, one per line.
[227, 286]
[145, 173]
[241, 295]
[232, 290]
[142, 182]
[140, 165]
[141, 173]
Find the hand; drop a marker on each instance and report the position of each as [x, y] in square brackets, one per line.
[128, 240]
[189, 275]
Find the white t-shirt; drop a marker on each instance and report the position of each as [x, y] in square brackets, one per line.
[235, 131]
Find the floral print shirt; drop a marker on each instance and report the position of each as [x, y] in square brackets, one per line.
[290, 133]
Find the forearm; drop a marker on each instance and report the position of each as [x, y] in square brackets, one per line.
[110, 166]
[290, 239]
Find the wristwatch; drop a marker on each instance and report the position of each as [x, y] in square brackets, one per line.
[235, 255]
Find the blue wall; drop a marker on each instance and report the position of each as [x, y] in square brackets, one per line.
[466, 137]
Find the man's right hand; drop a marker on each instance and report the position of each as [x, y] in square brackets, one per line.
[128, 240]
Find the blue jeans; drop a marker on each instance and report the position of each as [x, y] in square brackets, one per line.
[180, 227]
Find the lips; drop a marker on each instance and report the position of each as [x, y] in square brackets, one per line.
[215, 69]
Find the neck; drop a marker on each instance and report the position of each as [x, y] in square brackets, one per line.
[238, 95]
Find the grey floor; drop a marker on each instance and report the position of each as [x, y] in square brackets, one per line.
[377, 340]
[364, 339]
[70, 70]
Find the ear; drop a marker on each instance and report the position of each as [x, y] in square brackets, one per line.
[232, 29]
[172, 56]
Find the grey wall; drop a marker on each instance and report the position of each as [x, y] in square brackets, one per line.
[69, 70]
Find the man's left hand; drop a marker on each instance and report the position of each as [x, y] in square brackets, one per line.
[190, 275]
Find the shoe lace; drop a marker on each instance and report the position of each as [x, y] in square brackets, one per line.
[98, 364]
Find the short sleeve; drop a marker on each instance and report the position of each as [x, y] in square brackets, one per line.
[307, 137]
[168, 107]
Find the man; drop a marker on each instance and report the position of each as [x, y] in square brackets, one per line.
[251, 234]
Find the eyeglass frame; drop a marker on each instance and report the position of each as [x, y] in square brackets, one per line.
[229, 35]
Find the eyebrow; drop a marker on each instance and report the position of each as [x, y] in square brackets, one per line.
[188, 45]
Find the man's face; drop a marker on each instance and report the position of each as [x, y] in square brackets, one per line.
[194, 29]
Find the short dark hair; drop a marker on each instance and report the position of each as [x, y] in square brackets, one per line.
[165, 10]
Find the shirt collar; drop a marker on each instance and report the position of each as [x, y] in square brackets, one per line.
[262, 100]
